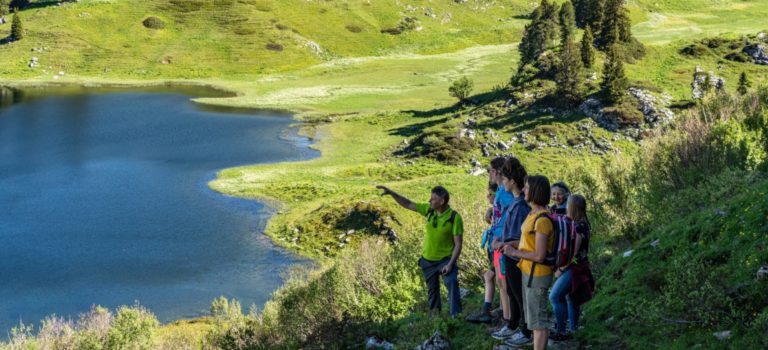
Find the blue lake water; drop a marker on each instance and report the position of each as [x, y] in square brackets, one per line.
[104, 201]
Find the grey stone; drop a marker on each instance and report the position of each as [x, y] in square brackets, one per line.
[758, 52]
[435, 342]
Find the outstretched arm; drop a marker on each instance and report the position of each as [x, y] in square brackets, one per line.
[404, 202]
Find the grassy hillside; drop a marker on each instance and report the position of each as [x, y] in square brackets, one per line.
[225, 43]
[383, 116]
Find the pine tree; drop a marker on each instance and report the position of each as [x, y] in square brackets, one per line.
[594, 18]
[744, 84]
[582, 10]
[567, 22]
[4, 8]
[568, 77]
[17, 28]
[615, 83]
[534, 41]
[587, 50]
[549, 21]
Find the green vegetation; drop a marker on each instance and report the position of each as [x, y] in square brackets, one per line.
[17, 27]
[461, 88]
[371, 85]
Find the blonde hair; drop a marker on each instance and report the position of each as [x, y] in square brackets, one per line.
[577, 207]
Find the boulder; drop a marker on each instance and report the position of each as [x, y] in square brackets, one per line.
[376, 343]
[758, 52]
[722, 335]
[762, 272]
[435, 342]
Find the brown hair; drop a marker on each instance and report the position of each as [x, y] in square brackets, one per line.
[441, 192]
[515, 171]
[577, 208]
[497, 163]
[539, 191]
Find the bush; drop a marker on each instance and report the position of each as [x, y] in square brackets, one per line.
[131, 328]
[153, 22]
[693, 50]
[274, 47]
[354, 28]
[461, 88]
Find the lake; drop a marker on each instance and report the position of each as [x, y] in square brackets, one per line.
[104, 201]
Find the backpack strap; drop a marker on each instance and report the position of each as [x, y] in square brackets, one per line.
[452, 218]
[543, 213]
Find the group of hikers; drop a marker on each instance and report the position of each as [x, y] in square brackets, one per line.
[537, 245]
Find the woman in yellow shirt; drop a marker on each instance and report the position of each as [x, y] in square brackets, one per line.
[537, 238]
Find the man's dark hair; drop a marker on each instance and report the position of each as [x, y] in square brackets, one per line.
[492, 186]
[442, 193]
[539, 191]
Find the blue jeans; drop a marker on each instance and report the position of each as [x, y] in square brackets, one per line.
[561, 303]
[432, 273]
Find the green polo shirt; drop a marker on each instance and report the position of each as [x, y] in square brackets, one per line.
[438, 242]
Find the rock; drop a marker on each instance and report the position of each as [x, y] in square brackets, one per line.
[61, 73]
[762, 36]
[347, 240]
[351, 232]
[484, 148]
[720, 212]
[628, 253]
[758, 52]
[655, 243]
[762, 272]
[477, 171]
[463, 292]
[699, 77]
[722, 335]
[467, 133]
[502, 146]
[341, 245]
[435, 342]
[376, 343]
[653, 112]
[489, 133]
[475, 163]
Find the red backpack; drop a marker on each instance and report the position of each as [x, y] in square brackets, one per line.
[564, 247]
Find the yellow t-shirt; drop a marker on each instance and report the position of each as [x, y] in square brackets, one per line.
[528, 242]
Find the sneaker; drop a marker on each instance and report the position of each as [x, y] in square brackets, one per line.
[520, 340]
[560, 336]
[503, 333]
[479, 317]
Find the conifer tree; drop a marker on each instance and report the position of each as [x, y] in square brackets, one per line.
[534, 41]
[4, 8]
[17, 28]
[550, 21]
[594, 17]
[744, 84]
[567, 21]
[587, 50]
[568, 77]
[615, 83]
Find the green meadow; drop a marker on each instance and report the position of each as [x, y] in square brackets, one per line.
[364, 95]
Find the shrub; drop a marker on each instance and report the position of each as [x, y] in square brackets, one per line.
[354, 28]
[461, 88]
[131, 328]
[153, 22]
[274, 47]
[693, 50]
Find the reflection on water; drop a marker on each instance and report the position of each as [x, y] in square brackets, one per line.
[104, 200]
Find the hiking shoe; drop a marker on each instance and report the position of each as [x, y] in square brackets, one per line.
[519, 340]
[503, 333]
[560, 336]
[479, 317]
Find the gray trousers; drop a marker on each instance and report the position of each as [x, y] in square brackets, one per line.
[431, 271]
